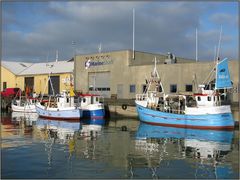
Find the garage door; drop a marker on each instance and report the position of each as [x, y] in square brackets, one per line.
[29, 85]
[101, 82]
[55, 85]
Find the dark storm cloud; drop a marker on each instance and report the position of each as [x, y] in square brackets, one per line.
[160, 28]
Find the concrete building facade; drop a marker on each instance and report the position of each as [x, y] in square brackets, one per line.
[123, 74]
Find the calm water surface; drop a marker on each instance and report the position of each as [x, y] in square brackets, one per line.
[124, 148]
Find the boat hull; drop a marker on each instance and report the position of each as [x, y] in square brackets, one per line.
[26, 109]
[93, 111]
[70, 113]
[221, 121]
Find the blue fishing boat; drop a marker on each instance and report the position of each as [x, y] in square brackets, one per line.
[92, 106]
[201, 110]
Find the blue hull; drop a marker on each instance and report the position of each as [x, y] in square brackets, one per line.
[210, 121]
[94, 114]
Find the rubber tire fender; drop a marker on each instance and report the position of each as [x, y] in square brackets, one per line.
[124, 106]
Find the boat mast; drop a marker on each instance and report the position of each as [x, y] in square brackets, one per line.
[196, 45]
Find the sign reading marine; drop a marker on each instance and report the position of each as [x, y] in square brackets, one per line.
[98, 61]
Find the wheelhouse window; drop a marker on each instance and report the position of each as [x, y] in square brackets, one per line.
[188, 87]
[173, 88]
[209, 98]
[199, 98]
[144, 87]
[159, 88]
[132, 88]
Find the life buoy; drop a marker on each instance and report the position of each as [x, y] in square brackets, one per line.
[124, 106]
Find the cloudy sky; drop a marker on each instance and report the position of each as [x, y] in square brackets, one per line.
[33, 31]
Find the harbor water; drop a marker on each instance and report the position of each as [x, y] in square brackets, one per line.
[33, 147]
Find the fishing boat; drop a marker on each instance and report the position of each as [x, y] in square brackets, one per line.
[201, 110]
[92, 106]
[62, 107]
[26, 105]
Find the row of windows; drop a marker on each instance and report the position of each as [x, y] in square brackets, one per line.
[209, 98]
[99, 89]
[132, 88]
[173, 88]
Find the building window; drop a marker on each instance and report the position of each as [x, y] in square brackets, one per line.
[99, 89]
[188, 87]
[4, 85]
[132, 88]
[173, 88]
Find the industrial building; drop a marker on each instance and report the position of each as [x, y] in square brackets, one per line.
[35, 77]
[122, 74]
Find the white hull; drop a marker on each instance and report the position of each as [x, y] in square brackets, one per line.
[207, 110]
[26, 108]
[63, 113]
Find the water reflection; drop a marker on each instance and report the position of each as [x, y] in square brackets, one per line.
[86, 138]
[208, 147]
[28, 118]
[63, 149]
[60, 131]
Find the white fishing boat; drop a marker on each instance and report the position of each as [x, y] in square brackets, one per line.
[27, 105]
[61, 107]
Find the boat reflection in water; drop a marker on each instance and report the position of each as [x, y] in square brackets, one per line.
[86, 141]
[206, 150]
[23, 123]
[90, 128]
[60, 131]
[29, 118]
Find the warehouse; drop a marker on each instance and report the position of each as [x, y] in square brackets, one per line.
[122, 74]
[34, 77]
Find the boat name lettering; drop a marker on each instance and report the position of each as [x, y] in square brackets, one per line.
[222, 77]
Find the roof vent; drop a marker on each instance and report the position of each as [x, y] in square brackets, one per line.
[171, 59]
